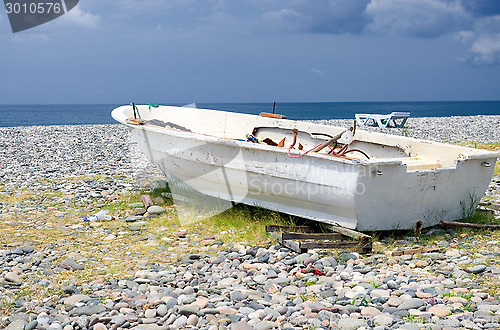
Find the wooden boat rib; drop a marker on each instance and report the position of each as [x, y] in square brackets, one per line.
[382, 182]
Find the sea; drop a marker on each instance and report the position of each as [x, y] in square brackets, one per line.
[83, 114]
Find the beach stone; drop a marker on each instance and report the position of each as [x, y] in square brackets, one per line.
[351, 324]
[478, 269]
[154, 209]
[370, 311]
[189, 310]
[377, 293]
[150, 313]
[347, 256]
[69, 289]
[152, 326]
[31, 325]
[136, 205]
[192, 320]
[290, 290]
[70, 264]
[162, 310]
[440, 311]
[180, 321]
[71, 300]
[383, 320]
[260, 279]
[242, 325]
[459, 300]
[43, 319]
[412, 326]
[28, 249]
[100, 326]
[87, 310]
[302, 257]
[228, 311]
[413, 303]
[452, 253]
[237, 295]
[392, 285]
[118, 320]
[423, 295]
[468, 324]
[201, 302]
[12, 277]
[227, 282]
[265, 325]
[169, 302]
[16, 325]
[132, 218]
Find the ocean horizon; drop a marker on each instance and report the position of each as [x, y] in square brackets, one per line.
[92, 114]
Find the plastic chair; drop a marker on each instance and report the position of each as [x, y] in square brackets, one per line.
[392, 120]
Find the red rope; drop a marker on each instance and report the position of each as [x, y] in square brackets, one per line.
[305, 153]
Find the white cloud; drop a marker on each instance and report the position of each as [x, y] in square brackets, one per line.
[482, 40]
[79, 17]
[318, 71]
[465, 36]
[486, 50]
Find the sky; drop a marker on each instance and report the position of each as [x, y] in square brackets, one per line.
[175, 51]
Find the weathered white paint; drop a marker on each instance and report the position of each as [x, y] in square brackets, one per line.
[404, 181]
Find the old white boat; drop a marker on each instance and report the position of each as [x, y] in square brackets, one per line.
[374, 182]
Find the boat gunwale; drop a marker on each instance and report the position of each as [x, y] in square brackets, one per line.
[472, 154]
[243, 144]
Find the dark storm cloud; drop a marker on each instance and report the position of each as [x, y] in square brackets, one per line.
[322, 16]
[481, 7]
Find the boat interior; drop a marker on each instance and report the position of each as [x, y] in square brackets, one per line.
[300, 138]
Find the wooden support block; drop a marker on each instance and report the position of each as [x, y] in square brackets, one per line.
[414, 251]
[298, 229]
[304, 237]
[313, 236]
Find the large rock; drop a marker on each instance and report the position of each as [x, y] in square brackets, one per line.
[154, 209]
[16, 325]
[413, 303]
[13, 277]
[70, 264]
[477, 269]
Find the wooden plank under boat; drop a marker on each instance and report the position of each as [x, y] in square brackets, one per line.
[392, 182]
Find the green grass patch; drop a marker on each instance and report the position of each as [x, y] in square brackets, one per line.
[482, 217]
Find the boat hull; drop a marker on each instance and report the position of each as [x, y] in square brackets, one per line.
[352, 195]
[374, 195]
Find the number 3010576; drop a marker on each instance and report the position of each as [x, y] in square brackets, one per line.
[33, 8]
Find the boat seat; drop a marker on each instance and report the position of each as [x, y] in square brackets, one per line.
[392, 120]
[418, 164]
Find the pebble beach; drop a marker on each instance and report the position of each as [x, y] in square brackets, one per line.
[58, 271]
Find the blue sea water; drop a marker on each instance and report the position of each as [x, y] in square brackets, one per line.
[80, 114]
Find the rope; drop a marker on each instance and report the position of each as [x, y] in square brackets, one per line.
[136, 110]
[305, 153]
[151, 105]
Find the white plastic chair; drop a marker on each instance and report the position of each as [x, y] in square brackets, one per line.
[392, 120]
